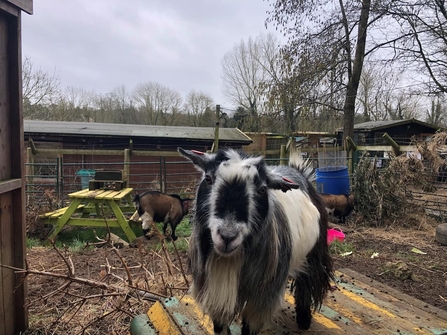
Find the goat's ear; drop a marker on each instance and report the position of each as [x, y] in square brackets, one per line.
[278, 182]
[199, 159]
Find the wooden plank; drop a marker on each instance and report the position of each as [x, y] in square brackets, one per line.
[390, 294]
[59, 212]
[118, 195]
[10, 185]
[16, 160]
[9, 8]
[7, 258]
[25, 5]
[78, 193]
[104, 193]
[358, 306]
[86, 222]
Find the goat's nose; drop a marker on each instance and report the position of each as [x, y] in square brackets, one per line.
[227, 235]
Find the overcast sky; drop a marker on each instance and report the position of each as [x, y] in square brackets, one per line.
[101, 44]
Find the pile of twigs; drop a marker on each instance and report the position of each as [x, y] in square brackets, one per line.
[383, 195]
[102, 290]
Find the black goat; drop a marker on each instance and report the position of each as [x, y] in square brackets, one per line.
[254, 226]
[154, 206]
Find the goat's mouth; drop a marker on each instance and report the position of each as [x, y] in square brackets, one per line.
[226, 250]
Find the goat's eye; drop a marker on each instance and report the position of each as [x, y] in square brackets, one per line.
[208, 179]
[262, 190]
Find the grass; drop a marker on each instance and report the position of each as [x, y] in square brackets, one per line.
[76, 238]
[340, 248]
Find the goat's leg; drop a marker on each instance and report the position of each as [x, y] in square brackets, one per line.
[221, 329]
[303, 301]
[146, 225]
[256, 313]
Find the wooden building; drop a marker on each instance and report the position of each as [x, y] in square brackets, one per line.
[149, 153]
[13, 290]
[401, 131]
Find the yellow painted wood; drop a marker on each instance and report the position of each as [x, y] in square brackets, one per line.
[355, 307]
[162, 321]
[102, 202]
[118, 195]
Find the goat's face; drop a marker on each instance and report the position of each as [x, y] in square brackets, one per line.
[234, 196]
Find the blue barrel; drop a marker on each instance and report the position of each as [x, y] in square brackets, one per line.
[334, 180]
[85, 176]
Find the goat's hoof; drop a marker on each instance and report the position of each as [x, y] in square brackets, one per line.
[303, 319]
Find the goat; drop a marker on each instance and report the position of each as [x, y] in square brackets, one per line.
[338, 205]
[254, 226]
[154, 206]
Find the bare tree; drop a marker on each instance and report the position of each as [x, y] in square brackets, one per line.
[332, 36]
[39, 89]
[437, 114]
[75, 104]
[159, 105]
[197, 104]
[421, 41]
[243, 74]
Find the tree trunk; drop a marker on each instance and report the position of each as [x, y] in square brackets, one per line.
[354, 80]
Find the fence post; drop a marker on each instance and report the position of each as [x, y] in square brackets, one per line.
[282, 155]
[60, 180]
[126, 171]
[29, 176]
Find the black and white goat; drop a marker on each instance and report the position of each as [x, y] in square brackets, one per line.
[254, 226]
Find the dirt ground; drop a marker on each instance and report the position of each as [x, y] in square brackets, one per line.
[58, 305]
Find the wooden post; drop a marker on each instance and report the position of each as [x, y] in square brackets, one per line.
[216, 130]
[29, 175]
[351, 147]
[282, 155]
[126, 171]
[394, 145]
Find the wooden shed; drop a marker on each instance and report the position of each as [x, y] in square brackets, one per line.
[148, 153]
[13, 290]
[401, 131]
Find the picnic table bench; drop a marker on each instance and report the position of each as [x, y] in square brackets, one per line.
[94, 208]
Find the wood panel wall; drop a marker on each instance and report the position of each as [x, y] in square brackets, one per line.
[13, 290]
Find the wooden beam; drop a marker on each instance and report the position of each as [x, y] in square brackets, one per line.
[350, 144]
[391, 142]
[10, 185]
[25, 5]
[108, 152]
[32, 146]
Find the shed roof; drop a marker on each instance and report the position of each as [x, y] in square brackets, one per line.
[378, 125]
[131, 130]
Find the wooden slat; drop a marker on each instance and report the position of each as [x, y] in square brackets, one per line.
[118, 195]
[58, 212]
[105, 193]
[7, 258]
[356, 307]
[10, 185]
[78, 193]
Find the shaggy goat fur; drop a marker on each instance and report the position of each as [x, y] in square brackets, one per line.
[339, 205]
[154, 206]
[254, 226]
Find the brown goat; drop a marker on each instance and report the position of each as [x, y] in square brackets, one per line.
[154, 206]
[340, 205]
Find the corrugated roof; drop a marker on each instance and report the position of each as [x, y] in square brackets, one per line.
[377, 125]
[132, 130]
